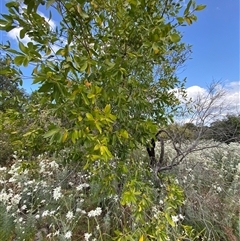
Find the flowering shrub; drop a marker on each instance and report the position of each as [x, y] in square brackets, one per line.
[39, 199]
[210, 179]
[43, 199]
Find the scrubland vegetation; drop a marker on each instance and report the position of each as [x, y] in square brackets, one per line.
[102, 150]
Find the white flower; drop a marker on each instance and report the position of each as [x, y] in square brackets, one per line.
[45, 213]
[68, 235]
[219, 189]
[24, 207]
[16, 199]
[81, 186]
[87, 236]
[9, 208]
[94, 213]
[181, 217]
[53, 165]
[175, 218]
[57, 193]
[69, 215]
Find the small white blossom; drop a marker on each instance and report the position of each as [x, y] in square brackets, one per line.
[181, 217]
[175, 218]
[81, 186]
[68, 235]
[94, 213]
[16, 199]
[219, 189]
[9, 208]
[57, 193]
[45, 213]
[24, 207]
[53, 165]
[87, 236]
[20, 220]
[69, 215]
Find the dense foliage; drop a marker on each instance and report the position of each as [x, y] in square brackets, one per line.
[225, 130]
[106, 69]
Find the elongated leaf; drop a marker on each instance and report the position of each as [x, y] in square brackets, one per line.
[22, 47]
[200, 7]
[186, 11]
[22, 33]
[51, 132]
[107, 109]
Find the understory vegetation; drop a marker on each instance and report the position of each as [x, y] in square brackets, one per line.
[45, 198]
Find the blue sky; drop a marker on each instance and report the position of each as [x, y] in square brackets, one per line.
[215, 46]
[215, 40]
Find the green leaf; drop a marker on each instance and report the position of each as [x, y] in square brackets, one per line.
[22, 33]
[84, 67]
[61, 52]
[74, 136]
[25, 61]
[97, 124]
[186, 11]
[124, 134]
[180, 20]
[83, 15]
[155, 48]
[169, 219]
[3, 22]
[200, 7]
[22, 47]
[175, 37]
[51, 132]
[105, 151]
[107, 109]
[89, 116]
[188, 20]
[18, 60]
[12, 4]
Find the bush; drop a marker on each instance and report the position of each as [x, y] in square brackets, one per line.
[43, 199]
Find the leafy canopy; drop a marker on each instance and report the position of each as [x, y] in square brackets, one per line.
[107, 69]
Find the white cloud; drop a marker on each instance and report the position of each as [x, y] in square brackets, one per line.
[217, 103]
[231, 89]
[15, 35]
[195, 91]
[205, 105]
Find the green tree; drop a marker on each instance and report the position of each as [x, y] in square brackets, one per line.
[106, 73]
[11, 95]
[226, 130]
[113, 71]
[13, 98]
